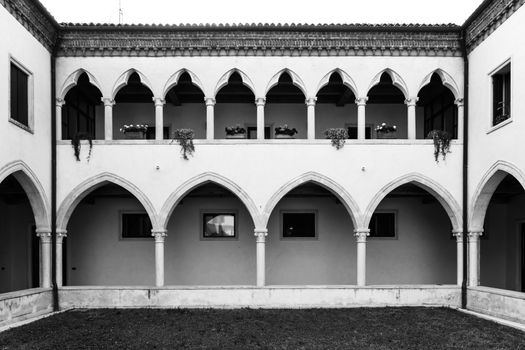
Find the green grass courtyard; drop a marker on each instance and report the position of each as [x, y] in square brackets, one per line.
[359, 328]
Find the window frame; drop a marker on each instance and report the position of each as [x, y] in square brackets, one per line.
[491, 75]
[121, 226]
[233, 212]
[30, 96]
[298, 211]
[396, 224]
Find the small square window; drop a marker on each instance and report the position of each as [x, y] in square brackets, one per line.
[383, 225]
[299, 224]
[501, 95]
[135, 225]
[19, 95]
[219, 225]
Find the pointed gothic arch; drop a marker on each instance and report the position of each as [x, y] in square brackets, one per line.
[193, 183]
[297, 81]
[75, 196]
[72, 80]
[347, 81]
[122, 81]
[174, 80]
[447, 201]
[337, 190]
[223, 81]
[397, 81]
[446, 79]
[34, 191]
[486, 188]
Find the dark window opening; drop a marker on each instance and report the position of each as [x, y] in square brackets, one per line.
[383, 225]
[501, 90]
[150, 133]
[252, 132]
[19, 95]
[352, 132]
[299, 225]
[136, 225]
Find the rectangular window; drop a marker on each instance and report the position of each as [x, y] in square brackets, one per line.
[19, 95]
[135, 225]
[219, 225]
[383, 225]
[501, 93]
[299, 224]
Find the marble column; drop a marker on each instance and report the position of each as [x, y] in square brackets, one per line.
[160, 237]
[360, 236]
[411, 121]
[260, 102]
[108, 117]
[45, 258]
[459, 259]
[461, 116]
[361, 119]
[473, 257]
[59, 258]
[260, 239]
[210, 118]
[159, 118]
[310, 103]
[59, 103]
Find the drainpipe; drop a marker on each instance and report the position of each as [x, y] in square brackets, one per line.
[53, 178]
[465, 166]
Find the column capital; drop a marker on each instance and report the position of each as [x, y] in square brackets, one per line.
[361, 234]
[474, 235]
[458, 235]
[159, 102]
[412, 101]
[210, 101]
[459, 102]
[160, 235]
[45, 237]
[260, 101]
[310, 101]
[361, 101]
[260, 235]
[108, 102]
[60, 102]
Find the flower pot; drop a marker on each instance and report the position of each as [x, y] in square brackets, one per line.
[236, 136]
[134, 135]
[283, 136]
[387, 135]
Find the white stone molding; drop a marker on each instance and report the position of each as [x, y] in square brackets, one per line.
[223, 81]
[459, 102]
[324, 181]
[297, 81]
[412, 101]
[60, 102]
[310, 117]
[58, 117]
[122, 81]
[209, 101]
[76, 195]
[397, 81]
[489, 182]
[108, 117]
[210, 117]
[207, 177]
[34, 191]
[260, 240]
[448, 202]
[446, 79]
[361, 117]
[107, 101]
[159, 117]
[174, 80]
[347, 81]
[159, 101]
[72, 81]
[310, 101]
[411, 117]
[260, 101]
[361, 101]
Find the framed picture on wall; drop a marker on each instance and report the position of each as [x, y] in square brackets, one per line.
[219, 225]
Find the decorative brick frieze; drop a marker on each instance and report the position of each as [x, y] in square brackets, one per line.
[487, 18]
[35, 18]
[259, 40]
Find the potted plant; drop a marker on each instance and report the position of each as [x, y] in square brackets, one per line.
[185, 139]
[134, 131]
[284, 132]
[75, 142]
[385, 131]
[337, 135]
[236, 132]
[441, 143]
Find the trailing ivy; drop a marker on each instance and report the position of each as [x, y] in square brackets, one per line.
[337, 135]
[75, 142]
[441, 143]
[185, 139]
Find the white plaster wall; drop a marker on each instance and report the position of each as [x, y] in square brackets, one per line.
[16, 144]
[488, 145]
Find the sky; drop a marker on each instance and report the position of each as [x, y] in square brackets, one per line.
[265, 11]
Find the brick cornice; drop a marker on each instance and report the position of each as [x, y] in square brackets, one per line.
[487, 18]
[248, 40]
[35, 18]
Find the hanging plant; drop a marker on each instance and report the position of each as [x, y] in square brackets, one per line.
[441, 143]
[337, 135]
[75, 142]
[185, 139]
